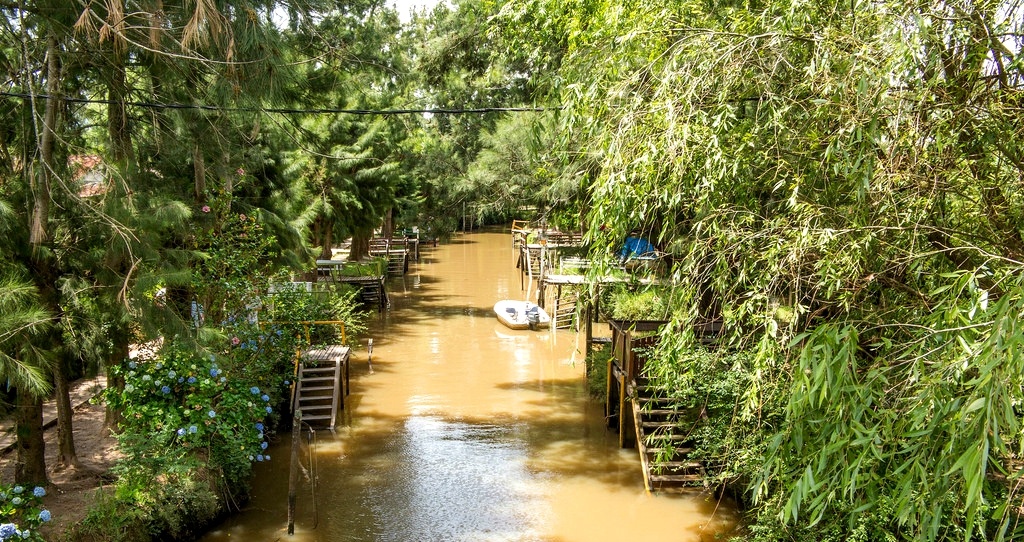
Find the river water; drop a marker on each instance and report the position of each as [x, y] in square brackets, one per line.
[466, 430]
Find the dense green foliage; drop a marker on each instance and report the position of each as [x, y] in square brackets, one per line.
[839, 186]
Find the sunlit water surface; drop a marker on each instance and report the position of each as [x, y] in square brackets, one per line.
[466, 431]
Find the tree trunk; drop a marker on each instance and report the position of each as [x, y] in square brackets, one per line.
[66, 455]
[360, 249]
[38, 232]
[326, 252]
[30, 468]
[389, 224]
[117, 117]
[157, 73]
[199, 170]
[122, 349]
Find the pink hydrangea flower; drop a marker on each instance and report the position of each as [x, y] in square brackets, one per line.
[206, 208]
[235, 340]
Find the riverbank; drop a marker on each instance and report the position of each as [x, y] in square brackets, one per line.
[71, 491]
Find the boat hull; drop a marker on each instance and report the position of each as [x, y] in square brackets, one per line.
[517, 314]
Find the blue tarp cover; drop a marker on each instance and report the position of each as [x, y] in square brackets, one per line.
[636, 246]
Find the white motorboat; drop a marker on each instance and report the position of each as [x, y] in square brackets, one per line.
[521, 314]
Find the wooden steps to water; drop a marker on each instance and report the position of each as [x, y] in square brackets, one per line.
[662, 440]
[372, 292]
[395, 250]
[564, 313]
[322, 383]
[646, 416]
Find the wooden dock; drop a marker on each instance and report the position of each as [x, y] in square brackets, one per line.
[322, 384]
[372, 291]
[564, 299]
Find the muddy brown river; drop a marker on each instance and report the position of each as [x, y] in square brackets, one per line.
[466, 430]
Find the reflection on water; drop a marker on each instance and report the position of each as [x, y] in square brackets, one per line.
[466, 430]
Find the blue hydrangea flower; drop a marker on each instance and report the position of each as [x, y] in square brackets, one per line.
[265, 397]
[192, 429]
[18, 490]
[191, 380]
[16, 501]
[213, 371]
[287, 383]
[132, 365]
[267, 457]
[44, 516]
[211, 414]
[254, 390]
[181, 379]
[39, 492]
[8, 530]
[165, 390]
[159, 366]
[263, 445]
[259, 426]
[147, 378]
[259, 457]
[171, 374]
[181, 432]
[223, 379]
[269, 410]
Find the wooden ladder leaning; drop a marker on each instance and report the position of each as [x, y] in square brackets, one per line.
[322, 383]
[662, 439]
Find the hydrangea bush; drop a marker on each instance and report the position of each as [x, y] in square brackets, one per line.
[21, 512]
[185, 408]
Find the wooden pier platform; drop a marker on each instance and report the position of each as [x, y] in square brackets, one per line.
[371, 287]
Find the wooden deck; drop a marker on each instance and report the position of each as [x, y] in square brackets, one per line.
[372, 291]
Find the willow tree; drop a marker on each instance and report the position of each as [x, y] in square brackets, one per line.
[839, 185]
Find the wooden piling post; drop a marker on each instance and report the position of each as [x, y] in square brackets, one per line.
[293, 472]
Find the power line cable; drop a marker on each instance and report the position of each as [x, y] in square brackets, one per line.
[289, 110]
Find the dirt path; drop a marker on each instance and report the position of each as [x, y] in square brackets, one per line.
[72, 491]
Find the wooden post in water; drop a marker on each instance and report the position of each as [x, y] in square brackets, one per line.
[588, 315]
[293, 472]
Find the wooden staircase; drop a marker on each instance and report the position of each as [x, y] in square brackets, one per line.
[396, 252]
[322, 384]
[371, 290]
[662, 438]
[645, 416]
[564, 315]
